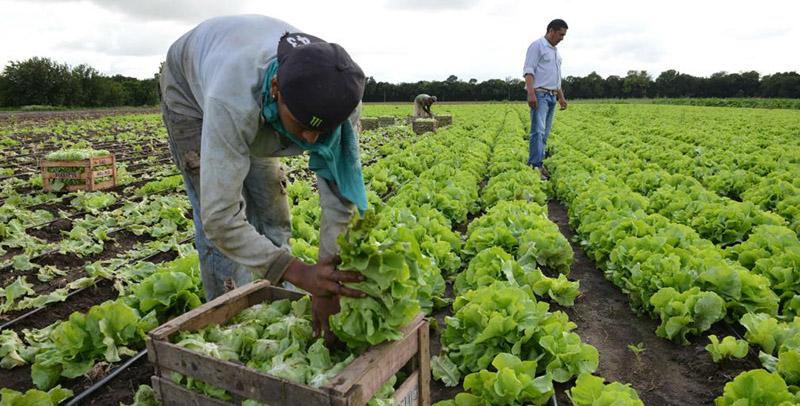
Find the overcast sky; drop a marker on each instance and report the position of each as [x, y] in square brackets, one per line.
[411, 40]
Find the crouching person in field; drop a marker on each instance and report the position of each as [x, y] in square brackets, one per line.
[422, 105]
[237, 93]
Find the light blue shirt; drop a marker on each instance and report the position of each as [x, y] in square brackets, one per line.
[544, 63]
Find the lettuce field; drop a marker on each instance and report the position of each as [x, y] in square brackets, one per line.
[659, 264]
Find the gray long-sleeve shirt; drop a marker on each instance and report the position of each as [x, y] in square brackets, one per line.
[215, 73]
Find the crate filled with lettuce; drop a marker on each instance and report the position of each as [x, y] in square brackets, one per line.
[255, 346]
[443, 120]
[78, 169]
[423, 125]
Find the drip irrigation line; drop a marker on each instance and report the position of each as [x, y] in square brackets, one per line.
[93, 285]
[121, 202]
[750, 350]
[88, 392]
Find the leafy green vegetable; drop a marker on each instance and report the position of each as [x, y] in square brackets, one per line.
[393, 265]
[514, 383]
[590, 390]
[501, 318]
[756, 387]
[693, 311]
[145, 396]
[34, 397]
[445, 370]
[730, 347]
[108, 331]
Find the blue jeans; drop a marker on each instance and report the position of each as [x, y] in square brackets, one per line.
[541, 123]
[267, 209]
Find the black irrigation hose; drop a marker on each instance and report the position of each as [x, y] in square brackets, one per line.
[750, 350]
[106, 379]
[121, 202]
[8, 266]
[77, 291]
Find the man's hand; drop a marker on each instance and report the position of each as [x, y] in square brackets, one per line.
[532, 101]
[322, 279]
[562, 102]
[323, 282]
[321, 311]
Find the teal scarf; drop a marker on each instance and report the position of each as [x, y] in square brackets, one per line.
[335, 154]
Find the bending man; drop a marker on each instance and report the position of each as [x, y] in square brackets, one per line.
[237, 93]
[422, 105]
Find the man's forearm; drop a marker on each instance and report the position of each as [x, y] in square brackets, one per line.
[529, 83]
[561, 95]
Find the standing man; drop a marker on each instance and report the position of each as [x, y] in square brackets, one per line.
[542, 72]
[237, 93]
[422, 105]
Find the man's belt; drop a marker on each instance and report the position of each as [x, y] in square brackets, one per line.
[548, 91]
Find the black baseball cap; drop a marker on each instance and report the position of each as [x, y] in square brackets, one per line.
[319, 82]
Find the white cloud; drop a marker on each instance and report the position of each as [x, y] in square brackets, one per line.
[426, 5]
[158, 10]
[411, 40]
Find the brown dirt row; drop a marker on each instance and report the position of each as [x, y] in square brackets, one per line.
[668, 373]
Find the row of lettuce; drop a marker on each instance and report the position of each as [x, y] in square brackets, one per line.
[748, 156]
[682, 253]
[502, 338]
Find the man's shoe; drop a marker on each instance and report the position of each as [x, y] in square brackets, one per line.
[544, 173]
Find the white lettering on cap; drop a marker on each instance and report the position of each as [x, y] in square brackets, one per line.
[293, 41]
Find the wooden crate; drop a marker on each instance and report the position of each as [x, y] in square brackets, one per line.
[369, 123]
[443, 120]
[421, 127]
[384, 121]
[354, 386]
[88, 175]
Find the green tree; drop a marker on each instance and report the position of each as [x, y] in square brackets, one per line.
[636, 84]
[613, 87]
[35, 81]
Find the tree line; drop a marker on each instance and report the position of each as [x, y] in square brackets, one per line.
[42, 81]
[636, 84]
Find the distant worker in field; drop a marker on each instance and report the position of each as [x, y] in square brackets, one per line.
[542, 72]
[237, 93]
[422, 105]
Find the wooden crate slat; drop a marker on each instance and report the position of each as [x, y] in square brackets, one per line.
[366, 375]
[102, 160]
[235, 378]
[424, 365]
[217, 311]
[68, 175]
[408, 393]
[68, 164]
[171, 394]
[103, 173]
